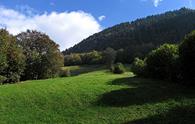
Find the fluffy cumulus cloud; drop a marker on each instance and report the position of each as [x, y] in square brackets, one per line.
[65, 28]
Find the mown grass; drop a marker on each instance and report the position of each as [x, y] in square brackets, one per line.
[97, 97]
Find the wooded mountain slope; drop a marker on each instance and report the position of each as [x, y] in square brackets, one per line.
[142, 35]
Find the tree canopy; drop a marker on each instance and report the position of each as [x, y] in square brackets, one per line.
[43, 58]
[12, 59]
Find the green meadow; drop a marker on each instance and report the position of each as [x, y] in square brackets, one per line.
[94, 95]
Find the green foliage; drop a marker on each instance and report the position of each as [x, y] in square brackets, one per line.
[4, 36]
[160, 62]
[43, 58]
[120, 55]
[89, 58]
[139, 37]
[72, 59]
[109, 57]
[65, 72]
[12, 59]
[187, 56]
[118, 68]
[2, 79]
[93, 57]
[138, 67]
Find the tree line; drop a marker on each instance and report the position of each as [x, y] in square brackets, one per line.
[27, 56]
[139, 37]
[109, 56]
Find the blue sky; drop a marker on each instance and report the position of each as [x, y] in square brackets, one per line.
[68, 18]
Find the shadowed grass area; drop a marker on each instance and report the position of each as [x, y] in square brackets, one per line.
[96, 97]
[144, 91]
[177, 115]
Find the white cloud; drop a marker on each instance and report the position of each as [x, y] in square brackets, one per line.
[156, 2]
[65, 28]
[101, 18]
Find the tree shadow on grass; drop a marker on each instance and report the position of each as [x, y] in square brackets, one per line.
[177, 115]
[143, 91]
[135, 81]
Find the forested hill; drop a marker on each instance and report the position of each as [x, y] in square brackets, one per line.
[141, 35]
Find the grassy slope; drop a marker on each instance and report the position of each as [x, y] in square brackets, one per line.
[96, 97]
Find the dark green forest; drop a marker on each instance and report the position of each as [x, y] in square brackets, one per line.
[137, 38]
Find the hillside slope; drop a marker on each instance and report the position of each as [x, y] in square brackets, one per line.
[141, 35]
[97, 97]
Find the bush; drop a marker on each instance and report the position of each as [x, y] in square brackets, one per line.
[160, 62]
[65, 73]
[2, 79]
[138, 67]
[187, 57]
[118, 68]
[72, 59]
[93, 57]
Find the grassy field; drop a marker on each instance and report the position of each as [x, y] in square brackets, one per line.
[96, 97]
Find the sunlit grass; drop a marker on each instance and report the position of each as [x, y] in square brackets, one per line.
[96, 97]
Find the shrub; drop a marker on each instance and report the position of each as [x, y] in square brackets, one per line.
[118, 68]
[65, 73]
[2, 79]
[93, 57]
[138, 67]
[160, 62]
[72, 59]
[187, 57]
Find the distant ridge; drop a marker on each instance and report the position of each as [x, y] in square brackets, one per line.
[147, 33]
